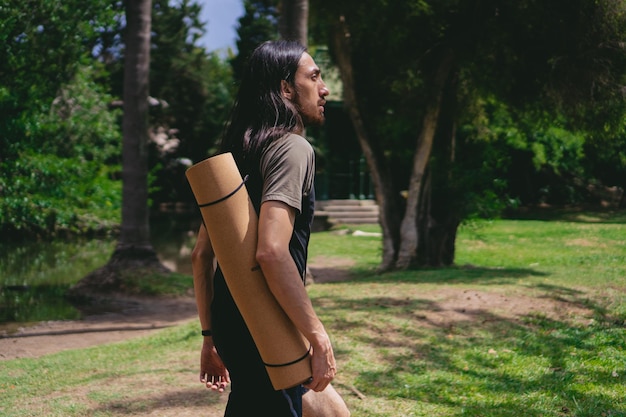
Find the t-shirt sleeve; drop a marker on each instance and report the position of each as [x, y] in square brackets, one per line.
[288, 167]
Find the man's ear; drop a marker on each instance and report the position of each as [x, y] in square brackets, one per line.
[286, 89]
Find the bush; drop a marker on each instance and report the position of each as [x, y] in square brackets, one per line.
[62, 177]
[47, 194]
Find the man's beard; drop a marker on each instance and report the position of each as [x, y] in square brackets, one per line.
[310, 119]
[313, 121]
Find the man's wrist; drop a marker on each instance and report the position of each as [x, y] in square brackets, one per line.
[320, 341]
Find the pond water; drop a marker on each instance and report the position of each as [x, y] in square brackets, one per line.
[34, 276]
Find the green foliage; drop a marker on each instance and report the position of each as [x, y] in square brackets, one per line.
[57, 130]
[521, 152]
[194, 87]
[551, 141]
[63, 70]
[46, 194]
[43, 43]
[66, 183]
[533, 82]
[80, 124]
[258, 24]
[606, 158]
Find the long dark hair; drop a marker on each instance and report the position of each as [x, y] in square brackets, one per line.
[260, 113]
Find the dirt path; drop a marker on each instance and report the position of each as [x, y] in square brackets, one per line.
[131, 317]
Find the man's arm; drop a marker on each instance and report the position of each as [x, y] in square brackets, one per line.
[276, 222]
[203, 262]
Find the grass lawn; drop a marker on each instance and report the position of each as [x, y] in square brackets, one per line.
[530, 322]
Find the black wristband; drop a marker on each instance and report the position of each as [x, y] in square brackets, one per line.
[207, 333]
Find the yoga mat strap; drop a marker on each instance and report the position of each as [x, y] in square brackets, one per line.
[227, 196]
[273, 365]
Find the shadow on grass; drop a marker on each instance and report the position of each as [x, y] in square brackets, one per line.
[486, 364]
[152, 404]
[465, 274]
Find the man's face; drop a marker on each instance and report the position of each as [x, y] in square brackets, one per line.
[310, 92]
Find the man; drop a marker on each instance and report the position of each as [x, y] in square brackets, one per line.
[281, 92]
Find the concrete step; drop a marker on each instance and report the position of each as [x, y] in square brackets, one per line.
[350, 209]
[348, 203]
[353, 220]
[347, 211]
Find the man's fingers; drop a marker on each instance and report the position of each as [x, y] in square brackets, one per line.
[216, 383]
[317, 385]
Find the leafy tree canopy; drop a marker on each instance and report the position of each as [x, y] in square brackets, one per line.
[558, 67]
[59, 84]
[43, 43]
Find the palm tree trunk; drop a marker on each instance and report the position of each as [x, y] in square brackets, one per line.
[294, 20]
[135, 230]
[134, 250]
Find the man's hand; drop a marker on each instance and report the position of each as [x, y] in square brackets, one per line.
[323, 366]
[213, 373]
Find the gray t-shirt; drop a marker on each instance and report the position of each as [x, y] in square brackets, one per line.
[287, 168]
[287, 172]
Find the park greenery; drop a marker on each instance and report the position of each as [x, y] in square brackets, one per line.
[469, 113]
[408, 343]
[60, 91]
[464, 110]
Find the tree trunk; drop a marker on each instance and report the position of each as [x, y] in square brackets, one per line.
[135, 231]
[438, 218]
[294, 21]
[439, 214]
[134, 250]
[400, 240]
[407, 254]
[381, 178]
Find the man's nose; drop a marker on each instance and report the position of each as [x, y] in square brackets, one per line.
[324, 90]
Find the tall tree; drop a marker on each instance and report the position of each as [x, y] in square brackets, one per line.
[410, 90]
[293, 23]
[267, 20]
[134, 250]
[42, 44]
[197, 87]
[135, 230]
[193, 86]
[56, 129]
[258, 24]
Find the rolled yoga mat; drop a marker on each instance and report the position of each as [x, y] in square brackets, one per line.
[231, 221]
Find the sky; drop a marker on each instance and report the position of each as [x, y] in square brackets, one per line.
[221, 17]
